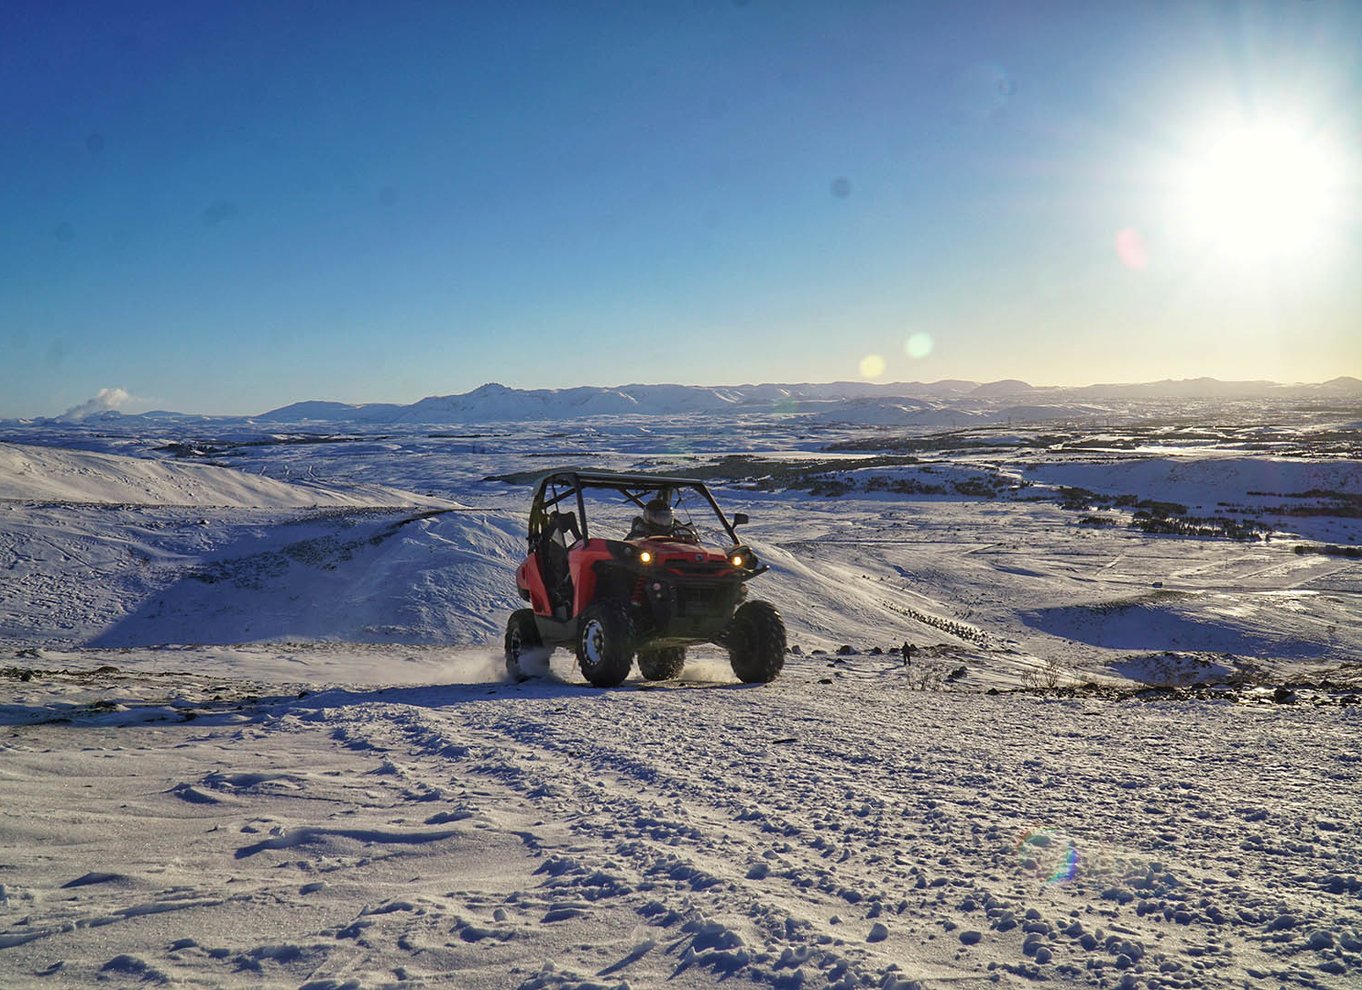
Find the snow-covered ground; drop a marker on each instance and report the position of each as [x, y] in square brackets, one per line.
[255, 729]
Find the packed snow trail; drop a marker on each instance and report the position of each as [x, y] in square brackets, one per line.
[834, 829]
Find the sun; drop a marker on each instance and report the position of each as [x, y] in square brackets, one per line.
[1264, 193]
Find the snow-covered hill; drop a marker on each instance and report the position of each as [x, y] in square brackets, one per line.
[111, 550]
[48, 474]
[108, 550]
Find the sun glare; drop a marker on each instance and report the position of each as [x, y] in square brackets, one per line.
[1259, 194]
[872, 366]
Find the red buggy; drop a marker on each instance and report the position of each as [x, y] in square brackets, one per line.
[611, 575]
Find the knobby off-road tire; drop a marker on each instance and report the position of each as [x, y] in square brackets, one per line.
[605, 643]
[756, 643]
[522, 636]
[662, 664]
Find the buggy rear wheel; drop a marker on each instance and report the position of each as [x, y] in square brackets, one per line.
[756, 642]
[662, 664]
[605, 643]
[522, 636]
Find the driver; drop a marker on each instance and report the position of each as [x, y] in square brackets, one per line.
[657, 520]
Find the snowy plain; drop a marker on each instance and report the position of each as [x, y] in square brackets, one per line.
[255, 729]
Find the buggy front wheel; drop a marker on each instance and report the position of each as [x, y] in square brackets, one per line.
[605, 643]
[756, 642]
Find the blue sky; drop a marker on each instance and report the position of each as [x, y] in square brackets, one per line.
[223, 208]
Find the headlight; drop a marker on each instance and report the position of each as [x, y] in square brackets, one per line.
[645, 557]
[737, 560]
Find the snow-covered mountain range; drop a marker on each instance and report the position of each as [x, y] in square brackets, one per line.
[920, 403]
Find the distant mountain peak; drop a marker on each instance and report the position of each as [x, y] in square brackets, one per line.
[1007, 386]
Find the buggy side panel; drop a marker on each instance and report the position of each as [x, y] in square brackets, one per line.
[545, 577]
[529, 579]
[593, 566]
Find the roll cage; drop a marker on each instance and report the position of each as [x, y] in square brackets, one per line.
[560, 508]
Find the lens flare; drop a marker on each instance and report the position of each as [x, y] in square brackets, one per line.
[872, 366]
[983, 91]
[1130, 248]
[918, 346]
[1049, 855]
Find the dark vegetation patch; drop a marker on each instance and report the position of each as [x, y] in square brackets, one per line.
[1241, 530]
[200, 449]
[800, 475]
[1290, 692]
[1330, 550]
[1160, 518]
[936, 443]
[1342, 505]
[1083, 500]
[841, 476]
[819, 477]
[1163, 431]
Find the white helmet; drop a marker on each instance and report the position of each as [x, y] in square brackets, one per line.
[658, 514]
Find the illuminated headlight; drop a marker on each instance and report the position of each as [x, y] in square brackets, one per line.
[645, 557]
[738, 560]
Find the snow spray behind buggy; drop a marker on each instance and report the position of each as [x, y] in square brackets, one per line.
[652, 568]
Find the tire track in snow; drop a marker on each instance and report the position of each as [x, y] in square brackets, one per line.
[901, 830]
[659, 821]
[649, 836]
